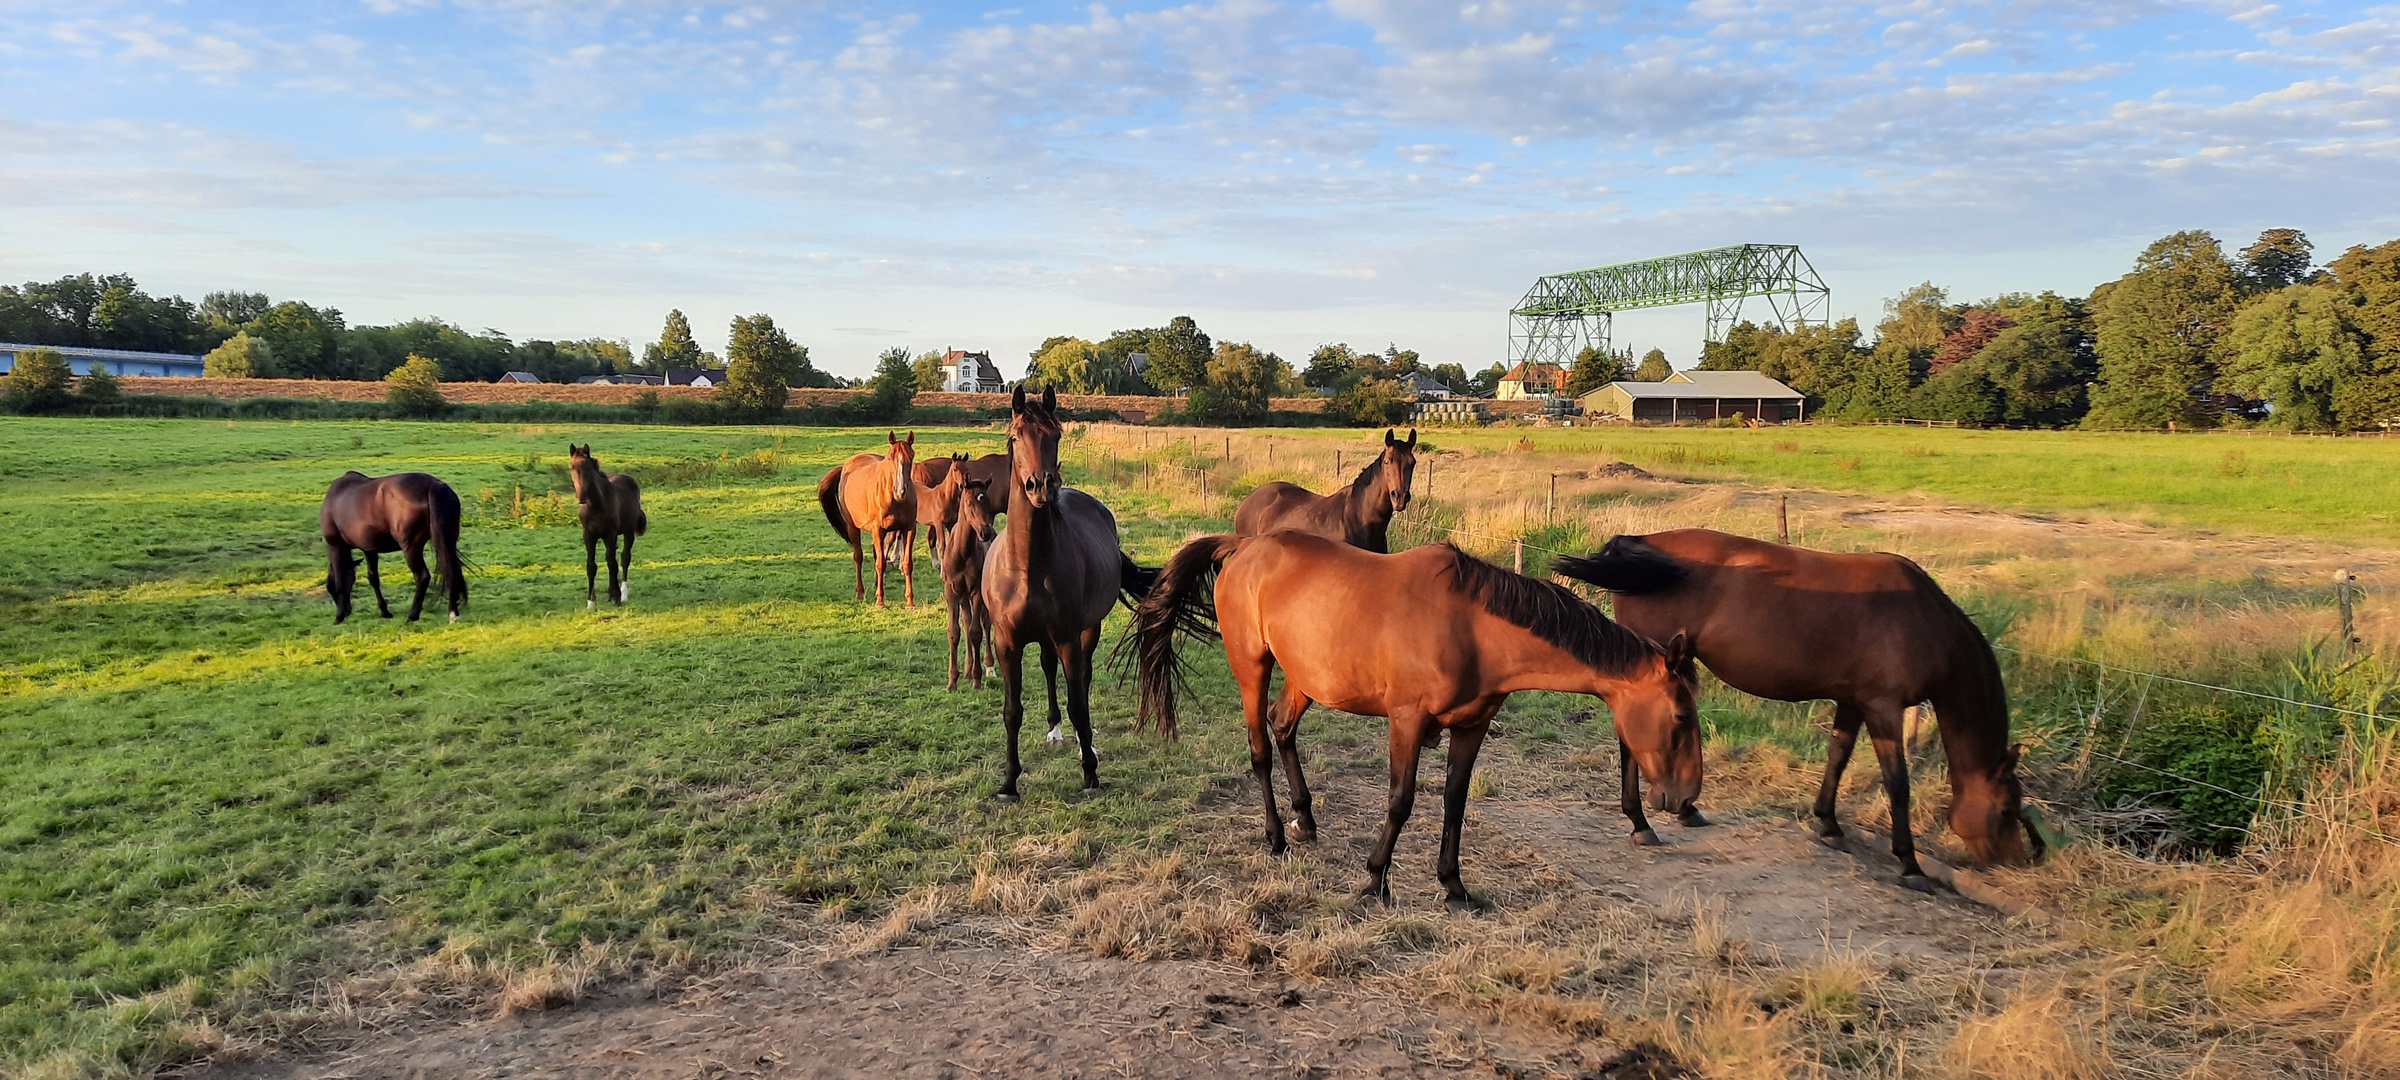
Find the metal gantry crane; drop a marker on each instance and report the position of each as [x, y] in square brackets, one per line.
[1565, 313]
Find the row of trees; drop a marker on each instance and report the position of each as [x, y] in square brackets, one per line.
[2190, 337]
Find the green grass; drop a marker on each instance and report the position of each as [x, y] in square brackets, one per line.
[209, 793]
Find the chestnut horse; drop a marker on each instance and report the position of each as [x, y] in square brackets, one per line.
[965, 542]
[380, 514]
[1432, 638]
[938, 483]
[610, 506]
[875, 495]
[1051, 576]
[1871, 632]
[1359, 515]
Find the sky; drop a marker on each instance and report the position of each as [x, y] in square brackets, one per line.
[1367, 171]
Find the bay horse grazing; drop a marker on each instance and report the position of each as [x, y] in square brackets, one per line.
[1432, 638]
[610, 507]
[1051, 576]
[382, 514]
[965, 543]
[1359, 515]
[875, 495]
[1871, 632]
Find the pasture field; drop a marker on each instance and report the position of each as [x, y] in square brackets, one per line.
[219, 812]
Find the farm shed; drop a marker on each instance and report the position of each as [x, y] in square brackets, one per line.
[1699, 395]
[114, 361]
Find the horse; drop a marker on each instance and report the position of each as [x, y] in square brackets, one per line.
[938, 483]
[1049, 580]
[1359, 515]
[964, 544]
[994, 470]
[378, 514]
[610, 506]
[1871, 632]
[1433, 639]
[876, 494]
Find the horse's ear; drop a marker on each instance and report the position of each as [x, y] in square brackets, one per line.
[1679, 651]
[911, 440]
[1050, 399]
[1412, 438]
[1016, 403]
[2014, 753]
[1388, 440]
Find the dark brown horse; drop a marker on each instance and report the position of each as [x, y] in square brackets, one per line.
[610, 506]
[1871, 632]
[381, 514]
[1359, 515]
[1053, 573]
[875, 495]
[965, 544]
[1433, 638]
[994, 471]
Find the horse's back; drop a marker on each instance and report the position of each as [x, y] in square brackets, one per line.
[379, 513]
[1282, 505]
[1354, 629]
[626, 492]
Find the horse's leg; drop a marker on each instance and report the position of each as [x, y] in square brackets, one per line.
[612, 570]
[1838, 745]
[341, 577]
[1629, 796]
[953, 603]
[908, 566]
[1883, 727]
[1050, 677]
[1409, 736]
[1254, 676]
[416, 566]
[981, 654]
[375, 581]
[1466, 740]
[1079, 702]
[1012, 712]
[591, 570]
[881, 562]
[1286, 725]
[625, 586]
[858, 572]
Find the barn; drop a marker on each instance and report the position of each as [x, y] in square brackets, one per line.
[114, 361]
[1699, 395]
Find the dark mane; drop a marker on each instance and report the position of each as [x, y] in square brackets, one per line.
[1553, 614]
[1366, 476]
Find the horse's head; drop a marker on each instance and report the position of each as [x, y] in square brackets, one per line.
[1033, 432]
[1399, 465]
[583, 469]
[1988, 812]
[1657, 715]
[971, 513]
[902, 453]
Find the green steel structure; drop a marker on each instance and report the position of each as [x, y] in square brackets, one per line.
[1564, 313]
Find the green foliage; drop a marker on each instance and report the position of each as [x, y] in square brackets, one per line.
[230, 308]
[2277, 259]
[1329, 366]
[674, 347]
[1739, 350]
[1594, 369]
[415, 387]
[1373, 402]
[1180, 353]
[2293, 348]
[100, 386]
[1069, 363]
[37, 382]
[2033, 371]
[106, 311]
[760, 362]
[305, 341]
[2369, 280]
[1654, 367]
[889, 392]
[1241, 380]
[2156, 331]
[928, 368]
[240, 357]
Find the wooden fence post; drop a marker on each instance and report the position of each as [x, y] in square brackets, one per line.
[2341, 592]
[1550, 508]
[1337, 464]
[1783, 521]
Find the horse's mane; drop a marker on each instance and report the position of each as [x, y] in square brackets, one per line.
[1552, 613]
[1366, 476]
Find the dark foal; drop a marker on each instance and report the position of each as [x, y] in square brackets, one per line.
[610, 505]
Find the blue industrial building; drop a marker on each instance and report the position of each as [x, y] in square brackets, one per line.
[114, 361]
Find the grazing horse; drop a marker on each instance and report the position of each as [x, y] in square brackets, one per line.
[379, 514]
[1871, 632]
[1432, 638]
[1359, 515]
[1051, 576]
[610, 506]
[965, 543]
[875, 494]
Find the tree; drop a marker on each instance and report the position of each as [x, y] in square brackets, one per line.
[1453, 376]
[1486, 382]
[2156, 331]
[1594, 369]
[1976, 329]
[759, 364]
[1069, 363]
[1918, 320]
[1240, 379]
[928, 368]
[240, 357]
[890, 391]
[1738, 352]
[2292, 349]
[2369, 280]
[415, 387]
[2042, 367]
[99, 385]
[373, 351]
[1180, 355]
[306, 341]
[674, 347]
[231, 309]
[1329, 366]
[128, 318]
[1654, 367]
[2278, 258]
[1373, 402]
[38, 381]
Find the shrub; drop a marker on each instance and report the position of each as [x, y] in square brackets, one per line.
[760, 362]
[1373, 403]
[889, 392]
[38, 382]
[240, 357]
[100, 387]
[415, 388]
[645, 404]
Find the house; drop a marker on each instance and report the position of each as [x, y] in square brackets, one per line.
[520, 377]
[114, 361]
[1424, 387]
[624, 380]
[1530, 380]
[692, 376]
[971, 372]
[1699, 395]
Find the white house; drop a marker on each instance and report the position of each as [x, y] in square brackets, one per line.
[971, 372]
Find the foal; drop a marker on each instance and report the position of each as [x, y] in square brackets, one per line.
[610, 505]
[966, 540]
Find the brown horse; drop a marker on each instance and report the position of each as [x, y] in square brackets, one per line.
[994, 471]
[1432, 638]
[875, 494]
[1871, 632]
[964, 546]
[1359, 515]
[938, 481]
[379, 514]
[610, 506]
[1051, 576]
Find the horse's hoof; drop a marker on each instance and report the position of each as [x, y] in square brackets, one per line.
[1305, 834]
[1647, 838]
[1376, 892]
[1006, 796]
[1091, 791]
[1055, 738]
[1467, 903]
[454, 616]
[1693, 819]
[589, 605]
[1916, 882]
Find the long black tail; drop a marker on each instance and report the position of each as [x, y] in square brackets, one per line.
[1178, 604]
[1626, 564]
[829, 496]
[446, 514]
[1134, 581]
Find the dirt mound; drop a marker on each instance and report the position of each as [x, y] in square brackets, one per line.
[1621, 470]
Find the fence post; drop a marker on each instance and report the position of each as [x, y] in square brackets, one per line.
[1550, 508]
[1520, 554]
[1783, 521]
[2341, 592]
[1337, 465]
[1229, 448]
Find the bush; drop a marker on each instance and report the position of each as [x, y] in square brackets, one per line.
[100, 387]
[240, 357]
[889, 392]
[1373, 403]
[415, 388]
[690, 410]
[645, 404]
[39, 381]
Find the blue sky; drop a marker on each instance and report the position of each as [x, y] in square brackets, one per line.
[1288, 173]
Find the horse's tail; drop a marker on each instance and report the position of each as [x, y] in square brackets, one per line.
[446, 515]
[1626, 564]
[1178, 603]
[829, 496]
[1134, 581]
